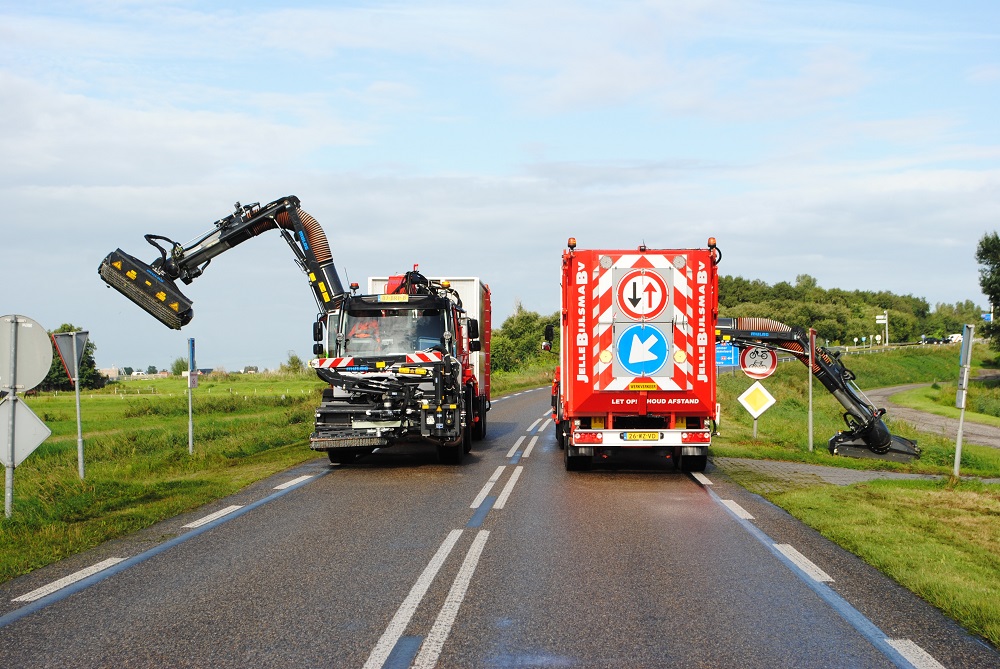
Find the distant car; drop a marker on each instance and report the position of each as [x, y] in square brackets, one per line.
[931, 340]
[954, 339]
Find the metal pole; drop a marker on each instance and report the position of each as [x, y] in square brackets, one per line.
[812, 347]
[190, 423]
[961, 421]
[79, 425]
[9, 478]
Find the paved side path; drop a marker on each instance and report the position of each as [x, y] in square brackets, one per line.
[773, 475]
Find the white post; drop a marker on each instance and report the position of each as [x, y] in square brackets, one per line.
[8, 497]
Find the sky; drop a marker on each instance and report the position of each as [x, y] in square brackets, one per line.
[855, 142]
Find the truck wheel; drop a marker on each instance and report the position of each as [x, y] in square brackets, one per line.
[560, 436]
[694, 463]
[451, 455]
[468, 433]
[576, 463]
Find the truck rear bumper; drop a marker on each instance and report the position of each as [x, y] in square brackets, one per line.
[696, 439]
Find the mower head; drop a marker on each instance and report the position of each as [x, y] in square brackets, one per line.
[148, 288]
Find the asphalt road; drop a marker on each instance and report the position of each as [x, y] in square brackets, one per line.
[505, 561]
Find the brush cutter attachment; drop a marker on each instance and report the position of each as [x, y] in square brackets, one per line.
[147, 287]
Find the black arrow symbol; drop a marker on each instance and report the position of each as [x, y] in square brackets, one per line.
[635, 295]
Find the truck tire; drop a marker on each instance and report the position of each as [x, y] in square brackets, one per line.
[469, 432]
[576, 463]
[693, 463]
[560, 436]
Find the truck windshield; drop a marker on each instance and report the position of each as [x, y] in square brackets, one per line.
[392, 331]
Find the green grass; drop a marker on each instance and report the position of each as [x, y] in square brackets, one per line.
[138, 469]
[940, 539]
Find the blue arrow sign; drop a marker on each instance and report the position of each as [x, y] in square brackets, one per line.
[642, 350]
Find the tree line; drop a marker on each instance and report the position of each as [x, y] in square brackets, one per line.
[837, 315]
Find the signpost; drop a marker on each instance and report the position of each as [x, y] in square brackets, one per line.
[756, 400]
[964, 364]
[884, 320]
[192, 383]
[23, 368]
[71, 345]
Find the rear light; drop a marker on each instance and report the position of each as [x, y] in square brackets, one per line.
[696, 437]
[588, 438]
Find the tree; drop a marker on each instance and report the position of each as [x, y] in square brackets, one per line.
[58, 379]
[128, 370]
[179, 366]
[294, 365]
[151, 370]
[988, 256]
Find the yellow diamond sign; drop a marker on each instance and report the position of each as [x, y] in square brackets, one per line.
[756, 399]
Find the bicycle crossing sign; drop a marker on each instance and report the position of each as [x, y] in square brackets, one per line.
[757, 362]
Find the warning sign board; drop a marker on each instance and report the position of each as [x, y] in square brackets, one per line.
[642, 350]
[642, 294]
[757, 362]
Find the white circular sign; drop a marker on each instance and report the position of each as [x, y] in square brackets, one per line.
[757, 362]
[642, 294]
[34, 352]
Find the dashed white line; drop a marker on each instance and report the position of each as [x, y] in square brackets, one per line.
[409, 606]
[517, 445]
[701, 478]
[430, 651]
[67, 580]
[533, 425]
[502, 499]
[289, 484]
[737, 509]
[213, 516]
[531, 445]
[545, 424]
[914, 654]
[803, 563]
[486, 488]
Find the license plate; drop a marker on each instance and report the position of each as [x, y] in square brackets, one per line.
[642, 436]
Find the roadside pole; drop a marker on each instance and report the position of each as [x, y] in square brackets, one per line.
[8, 496]
[965, 363]
[79, 426]
[75, 343]
[192, 384]
[812, 363]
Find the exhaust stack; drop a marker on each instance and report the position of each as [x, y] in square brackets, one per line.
[141, 283]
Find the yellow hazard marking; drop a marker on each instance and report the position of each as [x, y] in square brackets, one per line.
[312, 277]
[175, 306]
[322, 286]
[117, 264]
[148, 282]
[131, 274]
[597, 423]
[161, 296]
[393, 298]
[419, 371]
[380, 364]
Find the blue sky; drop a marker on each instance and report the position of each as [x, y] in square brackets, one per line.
[854, 142]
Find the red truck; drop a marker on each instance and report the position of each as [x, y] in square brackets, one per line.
[637, 354]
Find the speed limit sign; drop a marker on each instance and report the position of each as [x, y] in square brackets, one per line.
[757, 362]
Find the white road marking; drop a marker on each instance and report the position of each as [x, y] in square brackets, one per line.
[67, 580]
[409, 606]
[213, 516]
[803, 563]
[914, 654]
[289, 484]
[548, 413]
[545, 424]
[737, 509]
[502, 499]
[701, 478]
[486, 488]
[532, 426]
[531, 445]
[517, 445]
[430, 651]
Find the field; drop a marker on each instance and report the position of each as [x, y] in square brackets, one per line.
[941, 538]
